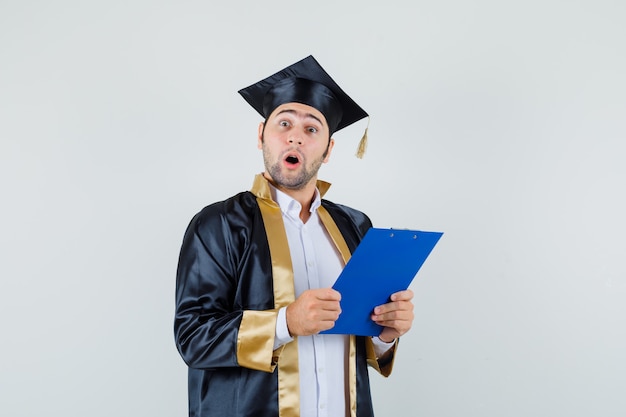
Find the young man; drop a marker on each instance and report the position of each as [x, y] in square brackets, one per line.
[254, 280]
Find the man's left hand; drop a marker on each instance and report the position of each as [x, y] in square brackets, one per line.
[396, 316]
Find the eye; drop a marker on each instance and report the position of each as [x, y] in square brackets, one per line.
[283, 123]
[312, 129]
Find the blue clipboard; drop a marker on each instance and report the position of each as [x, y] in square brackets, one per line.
[386, 261]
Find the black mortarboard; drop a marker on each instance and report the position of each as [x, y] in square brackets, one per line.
[308, 83]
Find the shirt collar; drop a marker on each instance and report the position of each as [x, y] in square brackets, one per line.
[289, 206]
[261, 187]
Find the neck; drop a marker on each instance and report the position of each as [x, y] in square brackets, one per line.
[303, 195]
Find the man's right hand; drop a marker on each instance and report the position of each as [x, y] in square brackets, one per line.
[314, 311]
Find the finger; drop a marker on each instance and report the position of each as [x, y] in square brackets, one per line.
[328, 294]
[396, 315]
[324, 318]
[399, 328]
[394, 322]
[405, 295]
[329, 306]
[393, 306]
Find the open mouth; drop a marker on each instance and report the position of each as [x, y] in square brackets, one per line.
[292, 159]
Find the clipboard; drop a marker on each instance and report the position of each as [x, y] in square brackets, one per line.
[386, 261]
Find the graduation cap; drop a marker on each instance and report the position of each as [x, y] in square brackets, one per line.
[306, 82]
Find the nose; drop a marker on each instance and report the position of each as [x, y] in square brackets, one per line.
[295, 139]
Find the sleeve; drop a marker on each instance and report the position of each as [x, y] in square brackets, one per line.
[380, 347]
[382, 364]
[209, 329]
[282, 331]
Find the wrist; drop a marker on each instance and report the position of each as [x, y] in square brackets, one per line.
[382, 339]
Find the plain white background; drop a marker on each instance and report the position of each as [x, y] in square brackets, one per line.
[499, 123]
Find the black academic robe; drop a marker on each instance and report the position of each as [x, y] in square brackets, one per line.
[234, 274]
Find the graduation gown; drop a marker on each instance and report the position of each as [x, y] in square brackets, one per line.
[234, 274]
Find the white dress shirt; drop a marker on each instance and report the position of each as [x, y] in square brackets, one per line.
[322, 359]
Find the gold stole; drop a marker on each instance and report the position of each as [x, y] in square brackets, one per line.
[340, 243]
[285, 357]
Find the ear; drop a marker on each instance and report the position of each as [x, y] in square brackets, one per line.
[331, 143]
[260, 136]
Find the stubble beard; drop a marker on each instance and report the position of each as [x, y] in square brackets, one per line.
[292, 182]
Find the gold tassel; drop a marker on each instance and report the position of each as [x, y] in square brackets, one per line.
[363, 142]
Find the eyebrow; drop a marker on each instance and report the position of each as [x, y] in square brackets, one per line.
[292, 111]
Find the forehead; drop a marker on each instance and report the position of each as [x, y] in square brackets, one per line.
[299, 110]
